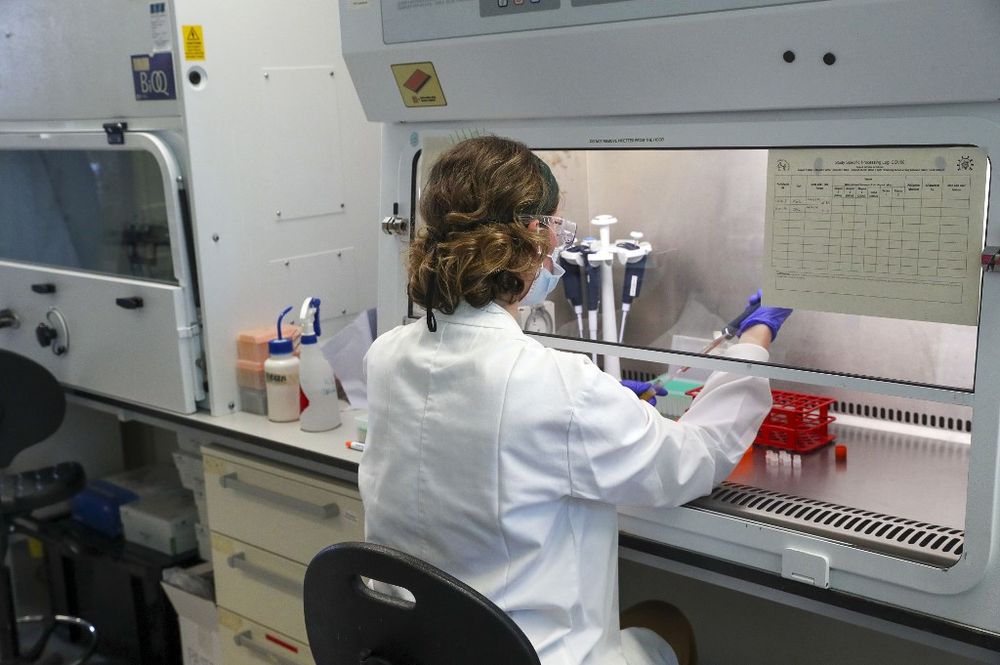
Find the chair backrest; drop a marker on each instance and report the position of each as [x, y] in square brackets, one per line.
[32, 405]
[449, 623]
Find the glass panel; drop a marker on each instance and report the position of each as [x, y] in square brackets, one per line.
[96, 210]
[702, 212]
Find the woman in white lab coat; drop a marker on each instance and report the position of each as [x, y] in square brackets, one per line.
[502, 461]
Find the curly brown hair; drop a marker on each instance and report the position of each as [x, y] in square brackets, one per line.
[474, 245]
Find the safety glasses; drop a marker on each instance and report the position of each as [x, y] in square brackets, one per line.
[564, 229]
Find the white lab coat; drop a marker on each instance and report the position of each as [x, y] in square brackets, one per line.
[501, 462]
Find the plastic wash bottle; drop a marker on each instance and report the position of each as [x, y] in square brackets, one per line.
[318, 404]
[281, 378]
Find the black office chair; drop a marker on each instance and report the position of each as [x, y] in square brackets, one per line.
[449, 623]
[32, 407]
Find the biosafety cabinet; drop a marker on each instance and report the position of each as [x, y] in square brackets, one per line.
[172, 173]
[836, 154]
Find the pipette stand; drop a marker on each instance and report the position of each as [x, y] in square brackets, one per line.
[605, 258]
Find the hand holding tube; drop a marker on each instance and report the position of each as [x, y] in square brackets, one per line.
[645, 390]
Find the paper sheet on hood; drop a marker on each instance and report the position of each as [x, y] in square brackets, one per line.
[892, 232]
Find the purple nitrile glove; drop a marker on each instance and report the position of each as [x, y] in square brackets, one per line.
[772, 317]
[645, 390]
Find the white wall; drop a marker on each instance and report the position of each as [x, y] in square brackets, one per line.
[275, 125]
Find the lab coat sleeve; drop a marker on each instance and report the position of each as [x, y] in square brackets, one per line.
[622, 451]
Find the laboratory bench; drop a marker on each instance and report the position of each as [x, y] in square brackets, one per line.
[321, 452]
[885, 471]
[274, 496]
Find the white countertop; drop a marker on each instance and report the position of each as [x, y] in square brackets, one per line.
[329, 443]
[250, 431]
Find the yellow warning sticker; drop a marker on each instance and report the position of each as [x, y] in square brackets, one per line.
[194, 42]
[418, 84]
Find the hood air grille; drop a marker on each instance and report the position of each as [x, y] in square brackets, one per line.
[896, 536]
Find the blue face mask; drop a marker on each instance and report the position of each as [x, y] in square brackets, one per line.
[543, 285]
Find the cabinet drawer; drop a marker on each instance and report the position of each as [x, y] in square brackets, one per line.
[258, 585]
[245, 642]
[285, 511]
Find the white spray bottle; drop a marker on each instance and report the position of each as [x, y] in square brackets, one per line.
[318, 404]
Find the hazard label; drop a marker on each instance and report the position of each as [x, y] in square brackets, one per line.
[194, 42]
[418, 84]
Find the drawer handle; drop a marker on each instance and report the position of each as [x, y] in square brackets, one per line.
[324, 511]
[245, 640]
[239, 561]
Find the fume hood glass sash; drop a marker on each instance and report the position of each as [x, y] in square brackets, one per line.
[74, 202]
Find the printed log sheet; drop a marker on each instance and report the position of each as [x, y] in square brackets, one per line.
[894, 232]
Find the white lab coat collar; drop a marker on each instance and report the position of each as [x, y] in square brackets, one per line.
[491, 316]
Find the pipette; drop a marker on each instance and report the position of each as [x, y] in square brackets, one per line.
[634, 256]
[572, 261]
[593, 273]
[729, 332]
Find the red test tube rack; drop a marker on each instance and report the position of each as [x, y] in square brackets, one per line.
[798, 422]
